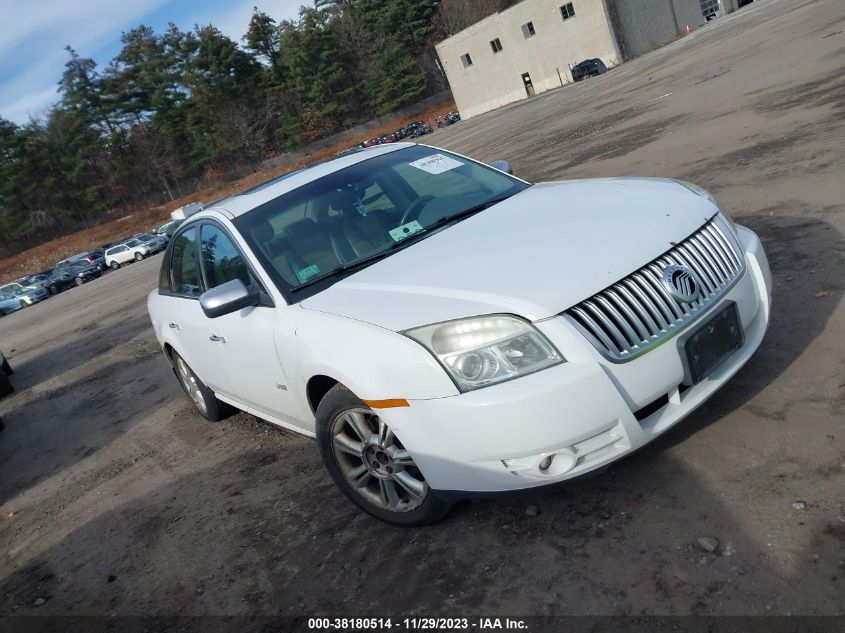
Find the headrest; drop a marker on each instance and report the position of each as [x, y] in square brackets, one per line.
[301, 229]
[262, 231]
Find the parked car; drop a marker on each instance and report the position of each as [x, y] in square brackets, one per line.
[131, 250]
[36, 280]
[74, 272]
[466, 334]
[12, 288]
[588, 68]
[166, 229]
[10, 302]
[171, 228]
[15, 296]
[155, 243]
[415, 130]
[94, 257]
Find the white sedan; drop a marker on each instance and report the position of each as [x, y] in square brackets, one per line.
[447, 330]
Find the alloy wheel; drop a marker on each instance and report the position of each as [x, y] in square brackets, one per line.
[374, 462]
[189, 381]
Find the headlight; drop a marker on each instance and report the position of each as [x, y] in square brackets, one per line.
[711, 198]
[481, 351]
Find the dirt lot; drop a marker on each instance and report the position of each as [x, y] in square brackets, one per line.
[118, 499]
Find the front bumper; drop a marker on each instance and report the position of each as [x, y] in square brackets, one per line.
[585, 413]
[88, 276]
[36, 297]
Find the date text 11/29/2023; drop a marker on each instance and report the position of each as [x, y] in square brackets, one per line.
[415, 624]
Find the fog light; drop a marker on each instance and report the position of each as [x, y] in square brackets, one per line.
[546, 462]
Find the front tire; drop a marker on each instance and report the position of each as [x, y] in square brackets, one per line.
[138, 257]
[23, 303]
[203, 398]
[54, 290]
[79, 281]
[370, 465]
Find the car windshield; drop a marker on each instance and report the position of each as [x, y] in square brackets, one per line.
[359, 214]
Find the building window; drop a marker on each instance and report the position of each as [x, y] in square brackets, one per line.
[528, 30]
[567, 11]
[496, 45]
[466, 60]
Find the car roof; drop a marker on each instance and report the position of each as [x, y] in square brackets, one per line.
[248, 200]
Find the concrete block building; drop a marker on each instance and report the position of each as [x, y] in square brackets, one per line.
[530, 47]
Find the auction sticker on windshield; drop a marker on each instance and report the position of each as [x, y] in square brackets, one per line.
[436, 163]
[305, 274]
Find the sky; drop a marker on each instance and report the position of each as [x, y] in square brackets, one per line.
[33, 36]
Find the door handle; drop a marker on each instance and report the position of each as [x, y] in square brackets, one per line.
[173, 326]
[217, 339]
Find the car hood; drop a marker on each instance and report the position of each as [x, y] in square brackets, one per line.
[534, 254]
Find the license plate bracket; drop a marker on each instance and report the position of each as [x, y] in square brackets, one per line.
[705, 348]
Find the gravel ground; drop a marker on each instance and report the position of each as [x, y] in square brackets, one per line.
[116, 498]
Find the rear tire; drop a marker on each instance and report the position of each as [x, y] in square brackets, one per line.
[54, 290]
[203, 398]
[115, 265]
[138, 257]
[78, 281]
[23, 303]
[391, 488]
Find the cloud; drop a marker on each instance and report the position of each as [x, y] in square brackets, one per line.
[29, 104]
[31, 52]
[32, 55]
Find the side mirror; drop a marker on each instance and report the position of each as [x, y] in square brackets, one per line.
[502, 165]
[227, 298]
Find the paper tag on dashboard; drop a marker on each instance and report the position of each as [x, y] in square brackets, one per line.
[436, 163]
[406, 230]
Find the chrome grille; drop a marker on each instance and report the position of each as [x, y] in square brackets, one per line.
[638, 312]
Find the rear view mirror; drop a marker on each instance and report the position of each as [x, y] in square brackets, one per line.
[227, 298]
[502, 165]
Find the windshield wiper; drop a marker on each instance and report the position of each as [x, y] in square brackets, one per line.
[404, 243]
[459, 215]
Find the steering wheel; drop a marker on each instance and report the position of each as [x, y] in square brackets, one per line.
[413, 211]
